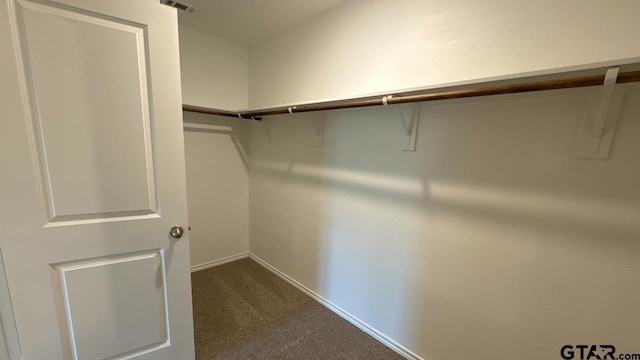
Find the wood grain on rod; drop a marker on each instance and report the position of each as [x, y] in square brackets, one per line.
[627, 77]
[210, 111]
[516, 88]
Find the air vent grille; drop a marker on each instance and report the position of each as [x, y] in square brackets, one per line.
[179, 5]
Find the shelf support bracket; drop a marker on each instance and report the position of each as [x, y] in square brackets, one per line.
[263, 125]
[318, 120]
[600, 119]
[410, 128]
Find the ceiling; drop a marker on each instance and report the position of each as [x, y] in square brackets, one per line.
[248, 21]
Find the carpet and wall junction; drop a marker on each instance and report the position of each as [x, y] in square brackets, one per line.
[243, 311]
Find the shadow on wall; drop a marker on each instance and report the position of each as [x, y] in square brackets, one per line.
[217, 187]
[202, 123]
[490, 241]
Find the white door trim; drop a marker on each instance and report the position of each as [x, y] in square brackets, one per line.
[9, 342]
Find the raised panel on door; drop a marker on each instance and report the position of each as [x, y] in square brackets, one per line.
[113, 307]
[88, 85]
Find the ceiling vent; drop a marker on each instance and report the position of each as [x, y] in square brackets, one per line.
[180, 5]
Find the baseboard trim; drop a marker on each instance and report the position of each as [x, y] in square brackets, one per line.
[388, 342]
[218, 262]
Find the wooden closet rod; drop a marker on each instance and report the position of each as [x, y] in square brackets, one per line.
[626, 77]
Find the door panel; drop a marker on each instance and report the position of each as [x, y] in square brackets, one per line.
[124, 294]
[85, 178]
[93, 179]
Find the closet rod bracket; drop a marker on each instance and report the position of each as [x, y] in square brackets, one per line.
[318, 122]
[263, 125]
[600, 119]
[411, 127]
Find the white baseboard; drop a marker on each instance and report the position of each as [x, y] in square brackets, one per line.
[214, 263]
[390, 343]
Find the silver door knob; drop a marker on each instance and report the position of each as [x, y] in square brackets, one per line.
[176, 232]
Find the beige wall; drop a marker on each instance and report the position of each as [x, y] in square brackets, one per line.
[374, 46]
[214, 71]
[488, 242]
[214, 74]
[217, 187]
[491, 241]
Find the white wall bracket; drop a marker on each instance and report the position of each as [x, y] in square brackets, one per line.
[318, 122]
[263, 125]
[600, 119]
[410, 128]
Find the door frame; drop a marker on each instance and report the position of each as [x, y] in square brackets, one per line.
[9, 342]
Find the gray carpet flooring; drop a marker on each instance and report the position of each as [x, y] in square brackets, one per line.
[243, 311]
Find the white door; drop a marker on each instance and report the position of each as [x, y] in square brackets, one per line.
[92, 179]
